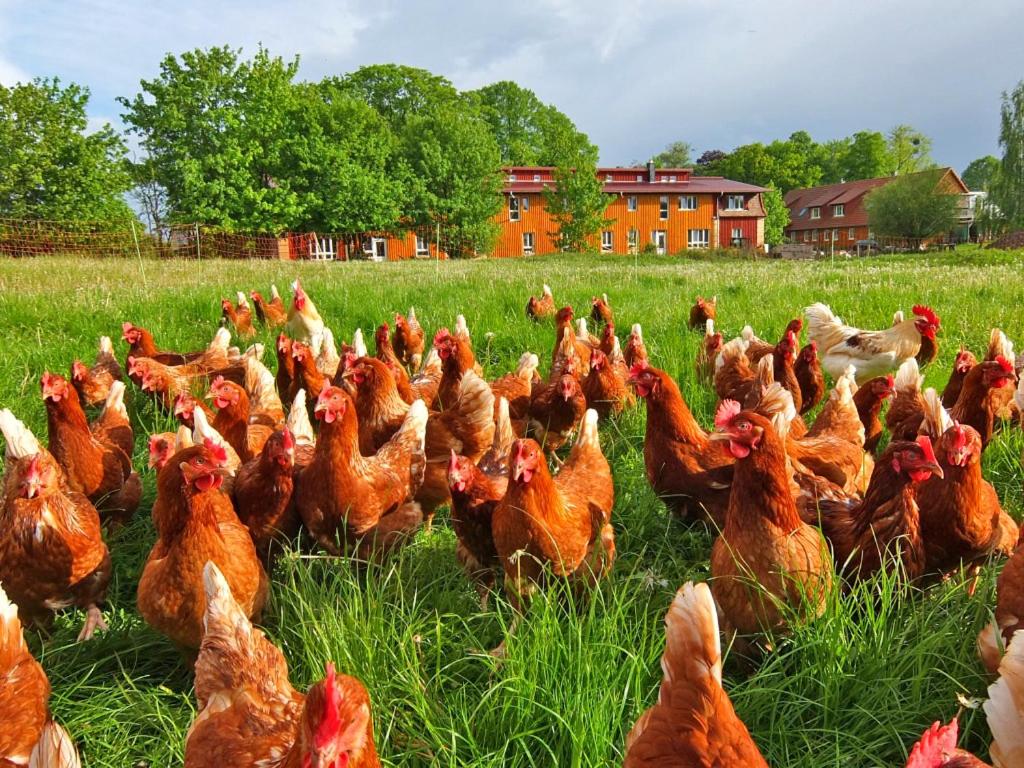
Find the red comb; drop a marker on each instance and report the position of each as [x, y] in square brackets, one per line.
[890, 380]
[216, 450]
[925, 444]
[927, 313]
[441, 336]
[330, 722]
[638, 367]
[453, 463]
[959, 436]
[727, 410]
[218, 382]
[287, 440]
[1005, 364]
[936, 744]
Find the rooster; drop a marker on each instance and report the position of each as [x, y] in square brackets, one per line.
[249, 713]
[409, 340]
[30, 736]
[239, 316]
[366, 502]
[965, 361]
[869, 399]
[872, 353]
[702, 311]
[542, 308]
[693, 723]
[304, 321]
[270, 313]
[93, 384]
[51, 552]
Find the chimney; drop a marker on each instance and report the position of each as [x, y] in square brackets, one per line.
[650, 171]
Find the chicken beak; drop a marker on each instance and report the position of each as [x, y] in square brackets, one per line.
[719, 437]
[934, 468]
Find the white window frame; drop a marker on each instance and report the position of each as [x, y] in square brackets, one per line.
[607, 177]
[851, 233]
[656, 235]
[536, 178]
[633, 239]
[631, 203]
[672, 179]
[835, 235]
[698, 238]
[513, 208]
[815, 212]
[524, 203]
[807, 235]
[688, 199]
[422, 246]
[838, 211]
[814, 235]
[826, 236]
[732, 205]
[528, 244]
[511, 177]
[607, 241]
[737, 234]
[639, 177]
[663, 208]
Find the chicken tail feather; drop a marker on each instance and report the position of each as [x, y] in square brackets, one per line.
[21, 443]
[54, 749]
[1005, 707]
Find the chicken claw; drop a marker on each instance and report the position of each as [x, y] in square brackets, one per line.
[93, 621]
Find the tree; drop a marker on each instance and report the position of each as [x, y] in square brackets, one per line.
[707, 164]
[52, 169]
[678, 154]
[576, 203]
[979, 174]
[867, 157]
[794, 163]
[398, 92]
[150, 196]
[912, 207]
[909, 151]
[831, 157]
[1007, 191]
[776, 216]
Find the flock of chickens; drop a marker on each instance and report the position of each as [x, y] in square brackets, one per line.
[797, 504]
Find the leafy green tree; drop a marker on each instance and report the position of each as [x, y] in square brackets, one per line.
[399, 92]
[1007, 190]
[577, 204]
[867, 157]
[750, 163]
[678, 154]
[909, 150]
[776, 216]
[912, 207]
[794, 163]
[215, 130]
[708, 163]
[831, 157]
[51, 168]
[979, 174]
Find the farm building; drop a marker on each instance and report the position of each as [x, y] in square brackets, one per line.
[834, 215]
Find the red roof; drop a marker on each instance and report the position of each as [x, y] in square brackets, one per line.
[623, 181]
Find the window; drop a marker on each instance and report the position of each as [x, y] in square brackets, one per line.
[633, 240]
[688, 203]
[513, 208]
[606, 241]
[672, 179]
[815, 213]
[608, 177]
[639, 177]
[737, 237]
[422, 248]
[524, 202]
[734, 203]
[660, 239]
[814, 236]
[527, 243]
[807, 236]
[835, 235]
[871, 235]
[698, 238]
[663, 208]
[511, 177]
[851, 234]
[825, 235]
[838, 210]
[536, 178]
[631, 203]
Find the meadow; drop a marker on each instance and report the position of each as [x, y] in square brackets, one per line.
[854, 688]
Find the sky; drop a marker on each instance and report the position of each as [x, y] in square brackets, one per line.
[633, 74]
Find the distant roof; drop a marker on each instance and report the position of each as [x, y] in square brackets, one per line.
[633, 180]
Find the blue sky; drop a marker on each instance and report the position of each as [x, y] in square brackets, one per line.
[633, 74]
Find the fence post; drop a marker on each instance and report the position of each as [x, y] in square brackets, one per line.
[135, 237]
[199, 251]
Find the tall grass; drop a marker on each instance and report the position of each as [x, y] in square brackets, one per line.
[853, 688]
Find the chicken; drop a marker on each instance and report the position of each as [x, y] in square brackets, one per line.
[606, 385]
[456, 353]
[567, 359]
[1000, 398]
[239, 316]
[693, 723]
[702, 311]
[285, 379]
[195, 524]
[249, 713]
[476, 490]
[516, 388]
[584, 335]
[555, 411]
[52, 554]
[93, 384]
[708, 353]
[542, 308]
[907, 408]
[327, 358]
[756, 348]
[363, 502]
[385, 351]
[141, 344]
[561, 523]
[1009, 610]
[304, 321]
[765, 556]
[965, 361]
[265, 406]
[298, 420]
[240, 425]
[185, 405]
[409, 340]
[839, 416]
[425, 384]
[202, 433]
[29, 736]
[163, 445]
[307, 376]
[809, 377]
[873, 353]
[883, 530]
[563, 328]
[962, 520]
[688, 473]
[608, 339]
[869, 399]
[734, 373]
[263, 493]
[601, 310]
[270, 313]
[976, 407]
[636, 350]
[96, 458]
[784, 359]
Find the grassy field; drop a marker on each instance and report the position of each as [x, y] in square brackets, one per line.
[855, 688]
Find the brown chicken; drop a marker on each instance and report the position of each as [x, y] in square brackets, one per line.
[1001, 398]
[962, 521]
[906, 411]
[869, 399]
[938, 745]
[52, 554]
[141, 344]
[239, 316]
[307, 375]
[708, 353]
[702, 311]
[270, 313]
[195, 524]
[29, 735]
[735, 375]
[96, 458]
[456, 353]
[361, 502]
[555, 411]
[561, 522]
[636, 350]
[516, 388]
[883, 530]
[93, 384]
[185, 406]
[385, 351]
[809, 377]
[693, 722]
[976, 406]
[245, 428]
[287, 384]
[249, 713]
[601, 310]
[542, 308]
[1009, 610]
[965, 361]
[757, 348]
[766, 556]
[409, 340]
[606, 386]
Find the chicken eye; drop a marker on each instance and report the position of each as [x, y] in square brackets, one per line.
[743, 426]
[200, 461]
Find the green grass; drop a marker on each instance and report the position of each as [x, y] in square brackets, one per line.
[854, 688]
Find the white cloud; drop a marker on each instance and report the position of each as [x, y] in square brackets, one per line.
[12, 73]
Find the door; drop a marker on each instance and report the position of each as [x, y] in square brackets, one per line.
[380, 249]
[660, 240]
